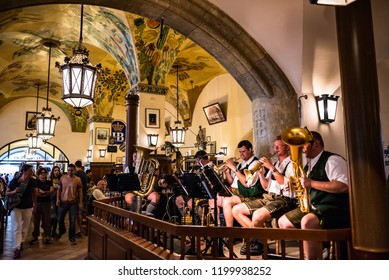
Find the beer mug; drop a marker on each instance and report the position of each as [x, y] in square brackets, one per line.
[137, 204]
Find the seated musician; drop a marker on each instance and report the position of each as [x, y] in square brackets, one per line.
[184, 202]
[152, 199]
[327, 184]
[244, 189]
[275, 203]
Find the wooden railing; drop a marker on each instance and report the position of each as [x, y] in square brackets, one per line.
[116, 233]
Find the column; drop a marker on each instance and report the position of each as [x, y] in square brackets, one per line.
[368, 190]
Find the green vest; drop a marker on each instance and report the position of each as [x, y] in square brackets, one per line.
[255, 191]
[319, 197]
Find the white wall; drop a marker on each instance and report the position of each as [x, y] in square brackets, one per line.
[12, 120]
[237, 108]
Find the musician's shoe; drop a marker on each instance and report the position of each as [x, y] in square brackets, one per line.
[256, 248]
[148, 214]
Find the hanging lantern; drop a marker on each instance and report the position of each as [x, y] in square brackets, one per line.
[46, 121]
[79, 76]
[178, 132]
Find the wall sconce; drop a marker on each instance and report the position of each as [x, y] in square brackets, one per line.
[88, 153]
[102, 152]
[223, 150]
[152, 139]
[332, 2]
[326, 107]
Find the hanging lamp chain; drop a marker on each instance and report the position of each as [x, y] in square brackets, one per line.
[37, 99]
[81, 25]
[177, 94]
[48, 78]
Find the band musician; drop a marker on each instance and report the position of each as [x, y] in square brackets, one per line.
[151, 200]
[184, 202]
[243, 188]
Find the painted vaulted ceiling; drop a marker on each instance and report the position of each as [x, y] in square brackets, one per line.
[130, 48]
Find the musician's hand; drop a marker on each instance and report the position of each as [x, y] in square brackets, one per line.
[261, 171]
[266, 163]
[230, 164]
[306, 182]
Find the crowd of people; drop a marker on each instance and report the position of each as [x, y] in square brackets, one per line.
[46, 200]
[261, 192]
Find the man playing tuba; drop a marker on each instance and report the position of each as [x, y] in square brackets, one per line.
[327, 185]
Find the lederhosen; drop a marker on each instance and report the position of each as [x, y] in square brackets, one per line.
[276, 204]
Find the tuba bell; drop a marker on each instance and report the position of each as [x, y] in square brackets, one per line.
[296, 138]
[145, 168]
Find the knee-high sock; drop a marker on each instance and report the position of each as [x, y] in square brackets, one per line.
[151, 207]
[181, 209]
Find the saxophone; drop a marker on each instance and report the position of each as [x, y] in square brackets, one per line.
[296, 138]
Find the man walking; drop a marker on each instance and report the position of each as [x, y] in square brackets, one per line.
[69, 199]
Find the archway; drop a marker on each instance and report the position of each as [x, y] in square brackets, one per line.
[16, 153]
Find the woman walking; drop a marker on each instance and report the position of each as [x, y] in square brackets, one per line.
[24, 185]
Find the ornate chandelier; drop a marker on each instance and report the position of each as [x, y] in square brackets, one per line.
[46, 122]
[79, 76]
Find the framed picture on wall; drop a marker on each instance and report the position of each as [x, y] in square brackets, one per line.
[30, 121]
[214, 113]
[102, 136]
[152, 118]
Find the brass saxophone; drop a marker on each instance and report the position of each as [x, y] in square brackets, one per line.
[296, 138]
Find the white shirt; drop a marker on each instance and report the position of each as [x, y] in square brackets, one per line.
[274, 186]
[98, 194]
[336, 168]
[252, 180]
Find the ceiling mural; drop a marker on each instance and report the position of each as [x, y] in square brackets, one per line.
[130, 48]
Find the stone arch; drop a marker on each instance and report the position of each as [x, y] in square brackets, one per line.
[216, 32]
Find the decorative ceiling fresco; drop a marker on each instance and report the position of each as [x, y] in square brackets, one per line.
[130, 48]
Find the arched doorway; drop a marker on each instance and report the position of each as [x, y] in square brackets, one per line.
[14, 154]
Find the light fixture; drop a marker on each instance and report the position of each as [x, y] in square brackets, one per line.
[326, 107]
[102, 152]
[178, 132]
[79, 76]
[332, 2]
[88, 153]
[223, 150]
[34, 141]
[152, 139]
[46, 121]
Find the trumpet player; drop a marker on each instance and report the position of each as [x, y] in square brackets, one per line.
[243, 189]
[276, 202]
[327, 183]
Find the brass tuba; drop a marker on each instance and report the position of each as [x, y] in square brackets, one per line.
[145, 168]
[296, 138]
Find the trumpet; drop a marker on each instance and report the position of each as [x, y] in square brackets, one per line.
[223, 166]
[250, 172]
